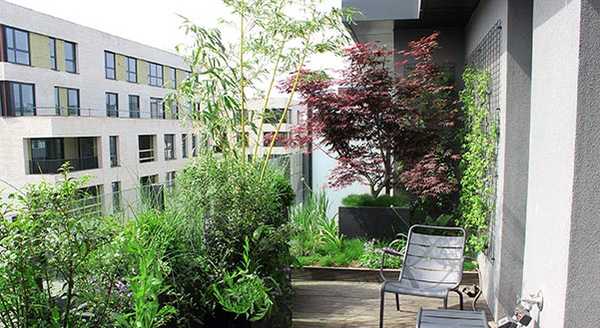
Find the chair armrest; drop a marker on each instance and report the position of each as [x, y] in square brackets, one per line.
[391, 251]
[388, 251]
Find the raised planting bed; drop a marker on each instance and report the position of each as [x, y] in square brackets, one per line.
[360, 274]
[381, 223]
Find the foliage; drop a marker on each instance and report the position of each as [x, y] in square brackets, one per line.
[478, 159]
[399, 200]
[386, 131]
[348, 253]
[372, 255]
[243, 292]
[50, 257]
[238, 202]
[275, 37]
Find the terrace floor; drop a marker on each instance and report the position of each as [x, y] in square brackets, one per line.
[339, 304]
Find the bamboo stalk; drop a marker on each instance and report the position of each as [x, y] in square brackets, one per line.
[242, 82]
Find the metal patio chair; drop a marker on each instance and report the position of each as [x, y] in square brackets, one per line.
[432, 265]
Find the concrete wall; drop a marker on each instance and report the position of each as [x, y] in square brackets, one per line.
[554, 122]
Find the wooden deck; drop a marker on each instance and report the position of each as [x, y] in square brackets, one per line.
[356, 304]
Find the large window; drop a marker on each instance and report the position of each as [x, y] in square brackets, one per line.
[52, 49]
[155, 75]
[114, 150]
[66, 101]
[169, 146]
[170, 178]
[112, 104]
[22, 99]
[17, 46]
[70, 57]
[131, 69]
[134, 106]
[146, 148]
[184, 149]
[194, 145]
[110, 65]
[173, 77]
[156, 108]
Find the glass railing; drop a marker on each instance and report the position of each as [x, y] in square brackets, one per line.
[52, 166]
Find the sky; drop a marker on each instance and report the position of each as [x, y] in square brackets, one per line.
[155, 22]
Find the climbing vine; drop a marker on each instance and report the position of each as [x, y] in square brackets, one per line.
[478, 159]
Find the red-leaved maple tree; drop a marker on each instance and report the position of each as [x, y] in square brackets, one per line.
[386, 130]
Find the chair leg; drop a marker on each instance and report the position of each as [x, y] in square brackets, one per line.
[460, 298]
[397, 302]
[446, 302]
[381, 308]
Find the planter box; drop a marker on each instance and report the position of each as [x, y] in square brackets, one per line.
[360, 274]
[381, 223]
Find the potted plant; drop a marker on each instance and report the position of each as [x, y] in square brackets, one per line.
[391, 132]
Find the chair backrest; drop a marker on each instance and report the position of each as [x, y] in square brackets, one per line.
[434, 258]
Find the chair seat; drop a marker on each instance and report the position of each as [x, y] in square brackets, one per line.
[416, 288]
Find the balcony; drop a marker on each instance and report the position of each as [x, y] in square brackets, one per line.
[52, 166]
[155, 113]
[48, 155]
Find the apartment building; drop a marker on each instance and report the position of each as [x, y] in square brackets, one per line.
[72, 93]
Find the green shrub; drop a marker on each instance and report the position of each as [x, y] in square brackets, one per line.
[355, 200]
[348, 253]
[372, 255]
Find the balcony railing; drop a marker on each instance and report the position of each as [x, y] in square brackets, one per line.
[146, 155]
[52, 166]
[92, 112]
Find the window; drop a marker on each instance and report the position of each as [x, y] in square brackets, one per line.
[116, 196]
[155, 75]
[169, 146]
[152, 194]
[156, 108]
[70, 57]
[280, 140]
[52, 48]
[109, 65]
[114, 150]
[17, 46]
[146, 148]
[131, 69]
[134, 106]
[184, 150]
[173, 77]
[112, 104]
[171, 178]
[194, 145]
[273, 115]
[22, 99]
[71, 96]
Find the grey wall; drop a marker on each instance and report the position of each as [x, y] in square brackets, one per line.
[516, 134]
[583, 288]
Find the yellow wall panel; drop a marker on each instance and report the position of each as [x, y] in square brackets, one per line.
[40, 50]
[142, 71]
[60, 55]
[180, 76]
[63, 101]
[121, 68]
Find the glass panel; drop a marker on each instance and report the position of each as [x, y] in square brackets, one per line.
[10, 41]
[73, 101]
[52, 48]
[22, 40]
[22, 58]
[11, 56]
[16, 98]
[70, 65]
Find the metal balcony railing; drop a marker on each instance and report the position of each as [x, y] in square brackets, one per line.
[52, 166]
[92, 112]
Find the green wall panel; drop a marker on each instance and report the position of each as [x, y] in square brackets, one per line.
[40, 51]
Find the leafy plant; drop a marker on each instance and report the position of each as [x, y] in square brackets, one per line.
[347, 253]
[242, 291]
[478, 158]
[354, 200]
[373, 252]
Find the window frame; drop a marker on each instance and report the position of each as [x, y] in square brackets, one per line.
[115, 111]
[152, 151]
[113, 150]
[14, 48]
[107, 68]
[68, 60]
[12, 110]
[160, 114]
[173, 77]
[70, 107]
[137, 112]
[52, 49]
[169, 150]
[129, 71]
[158, 79]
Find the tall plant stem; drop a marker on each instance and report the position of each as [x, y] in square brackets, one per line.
[242, 85]
[285, 110]
[267, 97]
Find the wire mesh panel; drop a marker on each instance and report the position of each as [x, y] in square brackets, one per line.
[486, 56]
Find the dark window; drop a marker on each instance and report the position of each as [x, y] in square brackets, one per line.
[156, 108]
[131, 69]
[134, 106]
[155, 75]
[194, 145]
[273, 115]
[146, 148]
[22, 99]
[116, 196]
[52, 48]
[70, 57]
[110, 65]
[112, 104]
[173, 77]
[169, 146]
[17, 46]
[171, 178]
[72, 98]
[184, 149]
[48, 154]
[114, 150]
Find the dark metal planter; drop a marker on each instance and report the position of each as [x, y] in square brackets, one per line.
[381, 223]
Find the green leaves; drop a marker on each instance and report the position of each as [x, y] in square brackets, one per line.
[478, 158]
